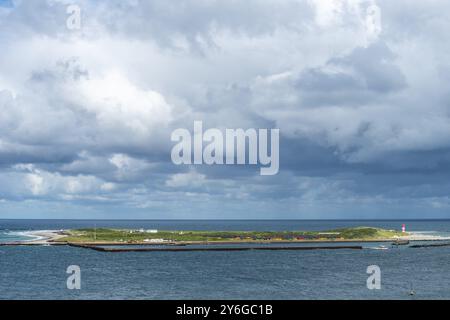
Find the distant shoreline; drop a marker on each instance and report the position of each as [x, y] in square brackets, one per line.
[233, 219]
[56, 237]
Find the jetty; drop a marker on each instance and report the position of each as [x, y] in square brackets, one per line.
[430, 245]
[144, 248]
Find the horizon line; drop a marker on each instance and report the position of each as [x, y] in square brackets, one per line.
[194, 219]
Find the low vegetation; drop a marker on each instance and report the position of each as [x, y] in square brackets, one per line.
[136, 236]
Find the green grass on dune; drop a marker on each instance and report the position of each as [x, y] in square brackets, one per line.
[367, 233]
[126, 236]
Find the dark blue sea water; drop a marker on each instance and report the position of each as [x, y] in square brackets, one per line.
[40, 272]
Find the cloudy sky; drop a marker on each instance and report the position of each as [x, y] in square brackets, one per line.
[360, 90]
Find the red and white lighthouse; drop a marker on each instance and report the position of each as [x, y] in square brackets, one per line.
[403, 228]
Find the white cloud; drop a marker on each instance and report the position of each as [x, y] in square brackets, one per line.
[121, 107]
[190, 179]
[128, 168]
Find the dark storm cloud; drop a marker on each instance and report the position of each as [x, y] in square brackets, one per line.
[364, 76]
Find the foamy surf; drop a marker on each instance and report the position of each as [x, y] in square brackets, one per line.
[11, 236]
[7, 236]
[428, 235]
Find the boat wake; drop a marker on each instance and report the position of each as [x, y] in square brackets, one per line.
[377, 248]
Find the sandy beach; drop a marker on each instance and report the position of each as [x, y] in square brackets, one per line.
[421, 236]
[43, 236]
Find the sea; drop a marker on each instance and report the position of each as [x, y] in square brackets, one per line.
[40, 272]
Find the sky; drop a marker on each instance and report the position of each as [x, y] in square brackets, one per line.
[359, 89]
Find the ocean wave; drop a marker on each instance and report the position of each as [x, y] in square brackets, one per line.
[7, 235]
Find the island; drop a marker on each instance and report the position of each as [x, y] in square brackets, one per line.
[141, 236]
[129, 240]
